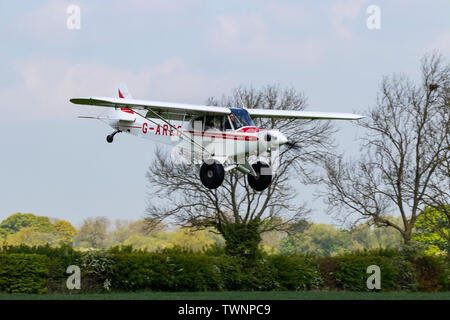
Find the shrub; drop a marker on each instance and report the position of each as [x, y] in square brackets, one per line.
[351, 273]
[23, 273]
[296, 272]
[165, 271]
[96, 268]
[43, 269]
[433, 273]
[259, 275]
[59, 259]
[328, 267]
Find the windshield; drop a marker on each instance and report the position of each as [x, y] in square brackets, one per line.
[241, 118]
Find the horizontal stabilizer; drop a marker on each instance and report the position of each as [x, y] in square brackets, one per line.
[117, 117]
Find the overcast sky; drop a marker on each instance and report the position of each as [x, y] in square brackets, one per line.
[55, 165]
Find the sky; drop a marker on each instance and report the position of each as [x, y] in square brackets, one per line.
[53, 164]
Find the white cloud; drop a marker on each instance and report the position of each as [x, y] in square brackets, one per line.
[288, 13]
[47, 21]
[343, 13]
[45, 86]
[165, 6]
[249, 36]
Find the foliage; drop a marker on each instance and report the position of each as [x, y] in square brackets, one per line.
[30, 236]
[351, 273]
[93, 233]
[23, 273]
[192, 239]
[325, 239]
[17, 221]
[33, 230]
[242, 239]
[297, 272]
[122, 268]
[65, 231]
[433, 273]
[170, 270]
[432, 228]
[60, 258]
[96, 268]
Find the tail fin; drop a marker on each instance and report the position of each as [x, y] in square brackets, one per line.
[117, 114]
[123, 92]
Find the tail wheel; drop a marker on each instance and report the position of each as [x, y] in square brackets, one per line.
[110, 138]
[263, 176]
[212, 175]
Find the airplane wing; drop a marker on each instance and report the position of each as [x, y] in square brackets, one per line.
[175, 111]
[167, 110]
[293, 114]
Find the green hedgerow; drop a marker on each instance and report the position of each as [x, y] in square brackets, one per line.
[23, 273]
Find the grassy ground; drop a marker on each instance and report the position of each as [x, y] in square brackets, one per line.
[276, 295]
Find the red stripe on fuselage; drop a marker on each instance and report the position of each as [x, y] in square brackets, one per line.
[249, 129]
[225, 136]
[131, 127]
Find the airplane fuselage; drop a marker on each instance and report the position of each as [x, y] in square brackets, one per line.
[238, 144]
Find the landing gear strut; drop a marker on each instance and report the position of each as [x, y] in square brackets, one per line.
[110, 138]
[212, 174]
[263, 176]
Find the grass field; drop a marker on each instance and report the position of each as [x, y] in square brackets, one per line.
[275, 295]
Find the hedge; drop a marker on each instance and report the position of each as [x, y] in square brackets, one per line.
[43, 269]
[23, 273]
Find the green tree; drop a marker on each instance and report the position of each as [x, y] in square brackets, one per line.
[155, 241]
[17, 221]
[320, 239]
[93, 233]
[191, 238]
[432, 228]
[30, 236]
[65, 232]
[367, 236]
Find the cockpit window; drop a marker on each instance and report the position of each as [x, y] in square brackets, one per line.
[241, 118]
[215, 123]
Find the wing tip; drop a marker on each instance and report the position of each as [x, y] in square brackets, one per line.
[79, 100]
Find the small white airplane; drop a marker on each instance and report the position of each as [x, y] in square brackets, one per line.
[219, 138]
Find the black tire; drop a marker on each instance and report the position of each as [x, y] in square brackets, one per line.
[110, 138]
[260, 182]
[212, 175]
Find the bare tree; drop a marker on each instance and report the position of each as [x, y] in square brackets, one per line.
[404, 166]
[235, 210]
[438, 195]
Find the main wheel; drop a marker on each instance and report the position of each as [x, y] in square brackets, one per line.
[212, 175]
[263, 176]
